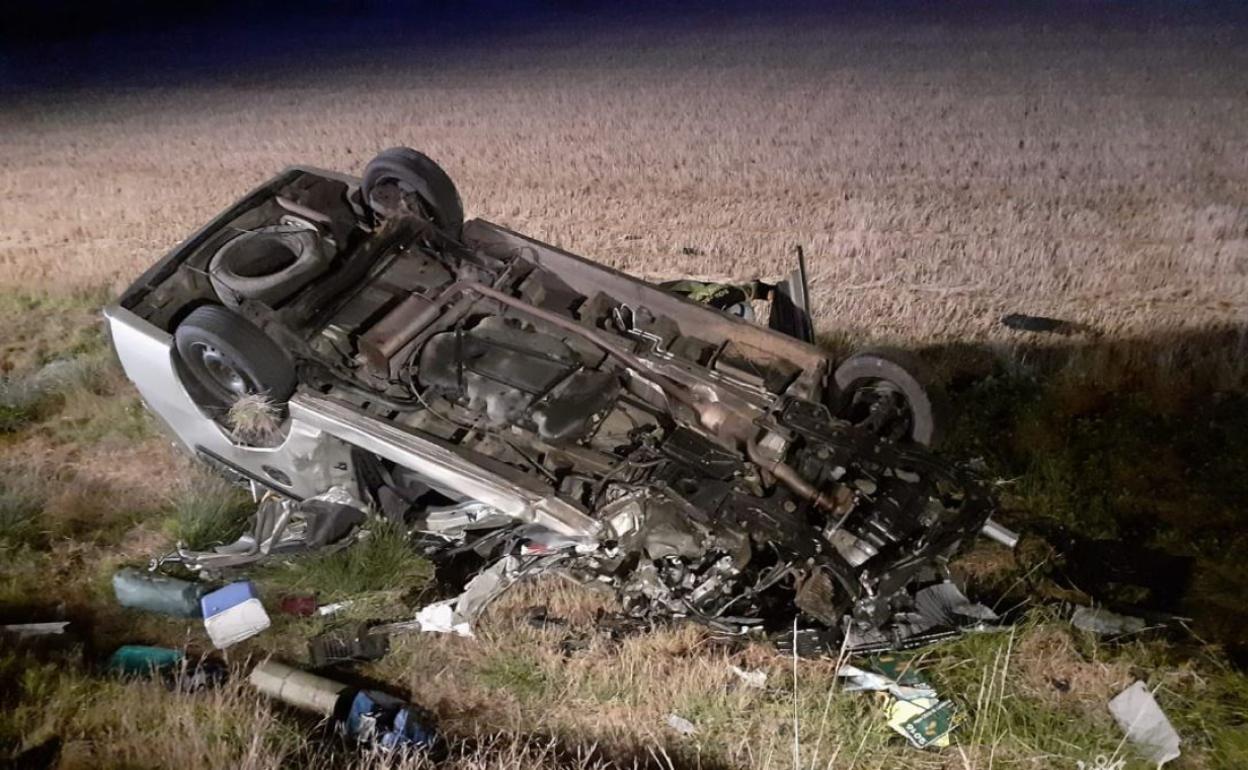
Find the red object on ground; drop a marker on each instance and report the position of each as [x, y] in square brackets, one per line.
[303, 605]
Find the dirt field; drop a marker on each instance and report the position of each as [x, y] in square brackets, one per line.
[937, 177]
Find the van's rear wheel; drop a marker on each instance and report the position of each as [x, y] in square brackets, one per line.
[890, 393]
[227, 356]
[401, 180]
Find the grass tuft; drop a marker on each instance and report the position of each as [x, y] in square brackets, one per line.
[254, 419]
[521, 675]
[383, 560]
[208, 510]
[20, 507]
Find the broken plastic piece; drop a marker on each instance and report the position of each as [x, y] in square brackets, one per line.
[233, 613]
[1137, 713]
[281, 525]
[154, 592]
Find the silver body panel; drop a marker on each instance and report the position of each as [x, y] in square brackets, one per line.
[320, 433]
[310, 459]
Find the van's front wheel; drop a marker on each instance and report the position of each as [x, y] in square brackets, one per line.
[228, 357]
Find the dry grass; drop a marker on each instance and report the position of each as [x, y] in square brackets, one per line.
[254, 419]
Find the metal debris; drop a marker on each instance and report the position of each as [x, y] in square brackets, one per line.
[937, 611]
[283, 526]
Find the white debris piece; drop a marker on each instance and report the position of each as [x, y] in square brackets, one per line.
[439, 618]
[331, 609]
[1099, 620]
[1139, 716]
[23, 630]
[681, 725]
[755, 679]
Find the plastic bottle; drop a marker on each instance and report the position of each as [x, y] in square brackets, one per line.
[157, 593]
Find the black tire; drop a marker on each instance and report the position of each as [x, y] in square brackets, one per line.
[408, 172]
[227, 356]
[904, 375]
[267, 265]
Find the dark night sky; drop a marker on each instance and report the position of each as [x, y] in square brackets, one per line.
[60, 43]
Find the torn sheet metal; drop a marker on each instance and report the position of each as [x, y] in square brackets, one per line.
[281, 525]
[1137, 713]
[938, 611]
[861, 680]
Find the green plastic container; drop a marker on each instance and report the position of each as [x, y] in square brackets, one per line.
[141, 660]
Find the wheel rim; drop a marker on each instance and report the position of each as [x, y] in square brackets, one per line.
[220, 370]
[392, 195]
[882, 408]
